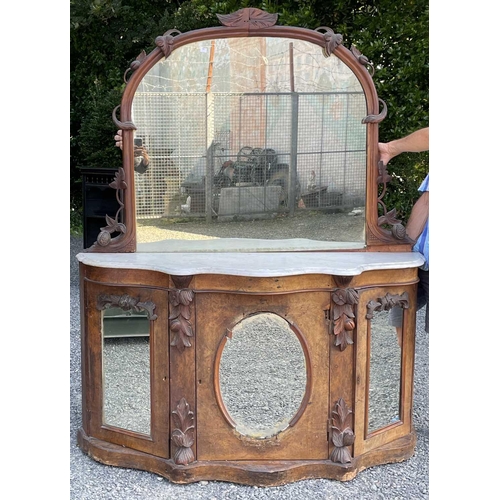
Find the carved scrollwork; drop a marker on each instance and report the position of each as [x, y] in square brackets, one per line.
[341, 433]
[134, 65]
[113, 226]
[183, 434]
[166, 41]
[128, 125]
[344, 300]
[389, 217]
[363, 60]
[376, 118]
[127, 303]
[332, 40]
[250, 18]
[387, 302]
[180, 312]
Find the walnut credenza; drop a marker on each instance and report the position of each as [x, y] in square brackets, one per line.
[191, 305]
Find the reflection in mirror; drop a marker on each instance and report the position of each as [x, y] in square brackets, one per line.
[385, 373]
[126, 370]
[264, 134]
[262, 375]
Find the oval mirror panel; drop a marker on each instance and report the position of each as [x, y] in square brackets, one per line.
[262, 375]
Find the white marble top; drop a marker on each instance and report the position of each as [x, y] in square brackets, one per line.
[256, 264]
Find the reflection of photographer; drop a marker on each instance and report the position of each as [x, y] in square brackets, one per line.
[141, 157]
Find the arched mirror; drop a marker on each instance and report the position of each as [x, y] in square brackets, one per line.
[251, 138]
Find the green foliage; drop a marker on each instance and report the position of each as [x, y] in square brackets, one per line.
[107, 35]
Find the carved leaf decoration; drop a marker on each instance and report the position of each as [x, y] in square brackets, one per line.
[339, 296]
[127, 303]
[342, 433]
[183, 435]
[186, 297]
[332, 40]
[138, 60]
[184, 456]
[337, 437]
[383, 176]
[362, 59]
[183, 439]
[249, 17]
[119, 181]
[352, 296]
[166, 41]
[389, 218]
[182, 415]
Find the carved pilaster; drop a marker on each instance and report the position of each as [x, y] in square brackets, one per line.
[343, 302]
[387, 302]
[183, 434]
[342, 434]
[127, 303]
[180, 312]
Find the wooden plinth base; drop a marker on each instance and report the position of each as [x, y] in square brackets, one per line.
[253, 473]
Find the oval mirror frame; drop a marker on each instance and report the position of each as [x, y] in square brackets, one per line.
[294, 330]
[251, 22]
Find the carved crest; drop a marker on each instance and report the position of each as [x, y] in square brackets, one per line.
[387, 302]
[127, 303]
[250, 18]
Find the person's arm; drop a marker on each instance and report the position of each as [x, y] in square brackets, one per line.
[416, 142]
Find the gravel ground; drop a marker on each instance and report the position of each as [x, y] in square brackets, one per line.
[91, 480]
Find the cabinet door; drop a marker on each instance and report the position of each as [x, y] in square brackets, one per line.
[385, 360]
[262, 376]
[126, 350]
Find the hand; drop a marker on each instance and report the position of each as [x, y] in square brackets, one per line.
[141, 151]
[119, 139]
[138, 150]
[384, 153]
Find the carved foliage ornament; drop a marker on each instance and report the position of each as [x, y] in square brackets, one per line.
[332, 40]
[180, 312]
[166, 41]
[387, 302]
[127, 303]
[344, 300]
[389, 217]
[183, 434]
[113, 226]
[250, 18]
[342, 433]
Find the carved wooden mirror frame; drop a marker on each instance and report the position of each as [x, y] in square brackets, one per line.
[384, 232]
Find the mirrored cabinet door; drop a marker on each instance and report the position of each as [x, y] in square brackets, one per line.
[386, 346]
[128, 324]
